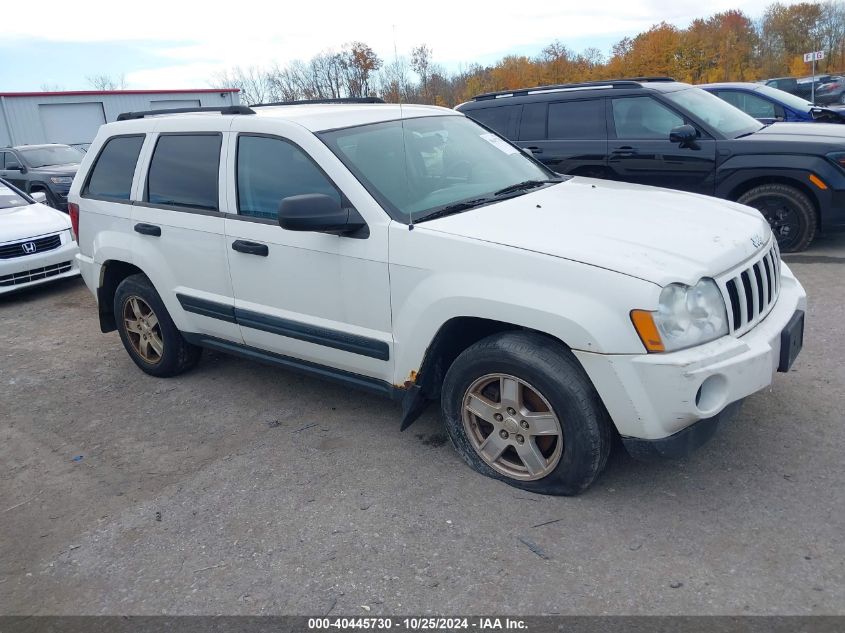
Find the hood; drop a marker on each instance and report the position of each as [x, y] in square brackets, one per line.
[31, 220]
[658, 235]
[827, 133]
[59, 170]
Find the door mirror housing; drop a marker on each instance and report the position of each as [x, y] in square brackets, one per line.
[39, 196]
[683, 134]
[320, 213]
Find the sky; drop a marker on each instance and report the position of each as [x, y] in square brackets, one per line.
[173, 44]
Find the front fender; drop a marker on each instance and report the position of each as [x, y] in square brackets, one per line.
[585, 307]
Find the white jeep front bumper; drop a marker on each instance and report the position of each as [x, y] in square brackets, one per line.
[655, 396]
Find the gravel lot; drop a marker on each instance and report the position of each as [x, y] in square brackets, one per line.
[243, 489]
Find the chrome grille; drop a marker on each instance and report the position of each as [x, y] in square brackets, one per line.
[25, 276]
[39, 244]
[751, 290]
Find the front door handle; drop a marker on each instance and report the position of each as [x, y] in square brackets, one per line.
[250, 248]
[623, 152]
[535, 150]
[148, 229]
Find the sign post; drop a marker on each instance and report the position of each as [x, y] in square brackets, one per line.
[813, 57]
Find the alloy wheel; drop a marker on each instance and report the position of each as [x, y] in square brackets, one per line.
[143, 329]
[512, 426]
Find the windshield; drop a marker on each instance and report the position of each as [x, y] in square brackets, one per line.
[438, 161]
[10, 197]
[786, 98]
[51, 155]
[729, 121]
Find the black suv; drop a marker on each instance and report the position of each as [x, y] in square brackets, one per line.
[656, 131]
[47, 168]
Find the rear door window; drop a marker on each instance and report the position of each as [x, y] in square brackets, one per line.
[184, 171]
[582, 119]
[114, 170]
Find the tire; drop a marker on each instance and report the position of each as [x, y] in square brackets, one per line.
[153, 342]
[552, 382]
[842, 99]
[788, 211]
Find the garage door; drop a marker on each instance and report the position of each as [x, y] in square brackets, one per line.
[71, 122]
[174, 103]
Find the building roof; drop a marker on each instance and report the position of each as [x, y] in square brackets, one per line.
[86, 93]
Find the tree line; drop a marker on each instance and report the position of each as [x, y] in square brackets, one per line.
[727, 46]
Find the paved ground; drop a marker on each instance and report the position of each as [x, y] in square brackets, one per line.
[240, 488]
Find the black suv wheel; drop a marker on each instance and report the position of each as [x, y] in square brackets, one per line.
[788, 211]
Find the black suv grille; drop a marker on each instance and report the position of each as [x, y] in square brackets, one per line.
[25, 247]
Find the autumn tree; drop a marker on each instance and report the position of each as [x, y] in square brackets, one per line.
[421, 64]
[107, 82]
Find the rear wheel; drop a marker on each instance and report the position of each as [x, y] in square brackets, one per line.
[147, 331]
[519, 407]
[788, 211]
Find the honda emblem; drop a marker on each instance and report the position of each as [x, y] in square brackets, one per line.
[28, 247]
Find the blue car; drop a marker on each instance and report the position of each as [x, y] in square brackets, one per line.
[769, 105]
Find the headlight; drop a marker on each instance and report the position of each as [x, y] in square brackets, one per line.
[686, 316]
[61, 180]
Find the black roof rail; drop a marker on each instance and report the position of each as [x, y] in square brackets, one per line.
[230, 109]
[315, 101]
[635, 82]
[647, 79]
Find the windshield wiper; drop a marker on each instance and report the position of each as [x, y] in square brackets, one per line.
[522, 186]
[451, 209]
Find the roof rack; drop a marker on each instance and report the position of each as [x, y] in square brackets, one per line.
[315, 101]
[231, 109]
[635, 82]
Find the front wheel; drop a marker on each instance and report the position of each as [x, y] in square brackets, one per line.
[518, 407]
[788, 211]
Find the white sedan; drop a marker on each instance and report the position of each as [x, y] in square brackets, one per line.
[36, 244]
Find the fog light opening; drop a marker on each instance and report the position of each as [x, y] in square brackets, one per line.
[711, 395]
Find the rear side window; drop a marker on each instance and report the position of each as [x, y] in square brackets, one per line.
[270, 169]
[501, 119]
[577, 120]
[114, 170]
[184, 171]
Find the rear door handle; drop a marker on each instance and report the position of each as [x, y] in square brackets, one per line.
[250, 248]
[148, 229]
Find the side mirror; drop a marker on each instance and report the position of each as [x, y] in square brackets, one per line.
[39, 196]
[527, 152]
[319, 213]
[683, 134]
[14, 167]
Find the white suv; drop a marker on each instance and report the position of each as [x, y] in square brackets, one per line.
[411, 252]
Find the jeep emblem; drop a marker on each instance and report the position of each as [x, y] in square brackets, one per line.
[757, 241]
